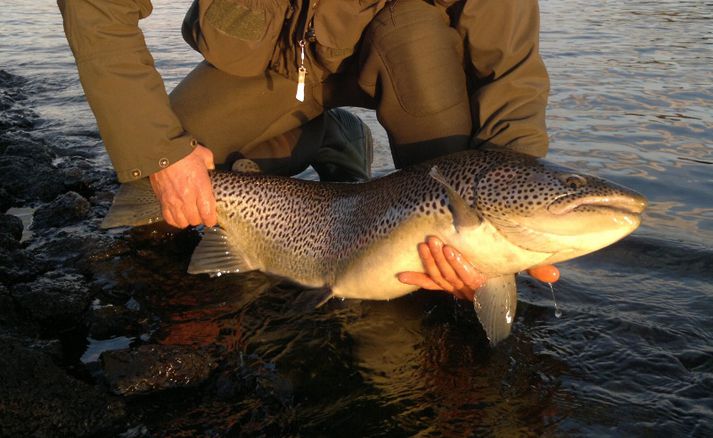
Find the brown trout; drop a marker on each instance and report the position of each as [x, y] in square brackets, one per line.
[505, 212]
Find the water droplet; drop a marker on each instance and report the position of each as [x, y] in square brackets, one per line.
[558, 312]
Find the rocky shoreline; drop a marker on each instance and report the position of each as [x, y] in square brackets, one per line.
[55, 299]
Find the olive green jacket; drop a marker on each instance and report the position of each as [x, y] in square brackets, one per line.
[143, 135]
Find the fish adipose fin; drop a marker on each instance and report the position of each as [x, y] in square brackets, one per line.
[463, 215]
[310, 299]
[495, 303]
[216, 255]
[134, 204]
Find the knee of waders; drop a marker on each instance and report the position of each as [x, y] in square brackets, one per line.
[346, 152]
[410, 50]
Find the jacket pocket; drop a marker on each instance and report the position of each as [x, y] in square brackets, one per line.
[239, 36]
[338, 27]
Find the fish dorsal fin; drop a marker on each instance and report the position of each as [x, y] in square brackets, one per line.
[217, 255]
[463, 215]
[495, 303]
[134, 204]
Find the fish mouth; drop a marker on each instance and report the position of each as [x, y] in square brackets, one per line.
[630, 204]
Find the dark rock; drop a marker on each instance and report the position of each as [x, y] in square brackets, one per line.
[8, 314]
[6, 200]
[81, 251]
[18, 265]
[55, 299]
[37, 398]
[110, 321]
[28, 148]
[7, 242]
[11, 225]
[12, 320]
[83, 176]
[67, 209]
[29, 180]
[152, 368]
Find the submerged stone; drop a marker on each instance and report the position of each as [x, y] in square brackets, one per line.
[111, 321]
[151, 368]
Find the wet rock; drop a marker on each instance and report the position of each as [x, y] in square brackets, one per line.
[11, 225]
[28, 180]
[152, 368]
[10, 232]
[37, 398]
[67, 209]
[18, 265]
[111, 321]
[8, 242]
[83, 176]
[12, 321]
[81, 251]
[6, 200]
[28, 148]
[56, 299]
[8, 314]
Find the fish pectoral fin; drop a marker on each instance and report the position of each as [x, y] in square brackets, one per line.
[463, 215]
[216, 255]
[134, 204]
[310, 299]
[495, 304]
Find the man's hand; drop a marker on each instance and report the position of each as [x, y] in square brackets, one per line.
[185, 192]
[447, 269]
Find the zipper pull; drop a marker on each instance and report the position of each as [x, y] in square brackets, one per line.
[301, 74]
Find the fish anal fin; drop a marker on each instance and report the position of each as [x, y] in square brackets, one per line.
[310, 299]
[134, 204]
[495, 304]
[463, 215]
[216, 255]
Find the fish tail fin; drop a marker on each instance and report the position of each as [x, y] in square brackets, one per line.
[134, 204]
[495, 303]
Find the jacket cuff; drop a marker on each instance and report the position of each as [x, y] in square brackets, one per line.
[176, 149]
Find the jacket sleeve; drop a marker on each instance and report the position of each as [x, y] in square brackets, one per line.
[127, 95]
[509, 96]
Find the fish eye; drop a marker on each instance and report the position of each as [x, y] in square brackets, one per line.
[574, 181]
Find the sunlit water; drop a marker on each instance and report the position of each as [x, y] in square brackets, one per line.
[632, 100]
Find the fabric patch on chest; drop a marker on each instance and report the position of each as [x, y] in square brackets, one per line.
[237, 20]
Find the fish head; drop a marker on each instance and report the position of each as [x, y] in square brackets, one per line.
[543, 207]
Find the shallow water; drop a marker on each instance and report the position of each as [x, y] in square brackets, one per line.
[632, 100]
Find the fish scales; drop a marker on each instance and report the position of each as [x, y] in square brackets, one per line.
[313, 229]
[505, 212]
